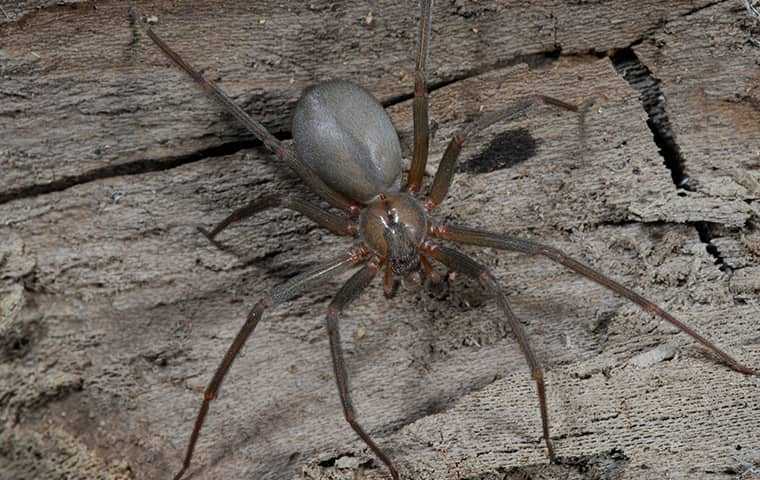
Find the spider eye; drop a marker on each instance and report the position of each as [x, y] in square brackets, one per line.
[402, 252]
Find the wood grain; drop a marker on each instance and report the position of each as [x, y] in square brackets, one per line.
[114, 311]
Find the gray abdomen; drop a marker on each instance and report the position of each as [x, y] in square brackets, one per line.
[344, 134]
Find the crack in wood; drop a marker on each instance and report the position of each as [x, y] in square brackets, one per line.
[653, 100]
[136, 167]
[629, 66]
[24, 17]
[703, 7]
[533, 60]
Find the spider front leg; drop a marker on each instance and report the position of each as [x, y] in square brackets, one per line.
[337, 224]
[420, 109]
[390, 282]
[460, 262]
[271, 143]
[504, 242]
[514, 111]
[289, 290]
[348, 293]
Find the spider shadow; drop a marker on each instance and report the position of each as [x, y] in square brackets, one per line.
[441, 336]
[507, 149]
[264, 425]
[268, 234]
[424, 329]
[278, 254]
[268, 422]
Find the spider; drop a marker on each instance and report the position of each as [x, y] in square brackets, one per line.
[348, 152]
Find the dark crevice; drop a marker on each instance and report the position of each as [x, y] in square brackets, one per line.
[640, 77]
[11, 17]
[603, 465]
[704, 230]
[630, 67]
[135, 167]
[331, 461]
[703, 7]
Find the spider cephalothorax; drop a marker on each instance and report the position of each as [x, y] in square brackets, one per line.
[349, 154]
[394, 226]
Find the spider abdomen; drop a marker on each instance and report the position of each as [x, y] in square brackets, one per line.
[345, 135]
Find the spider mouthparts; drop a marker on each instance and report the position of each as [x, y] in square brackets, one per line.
[413, 281]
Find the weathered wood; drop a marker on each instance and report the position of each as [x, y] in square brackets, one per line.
[89, 73]
[710, 78]
[114, 312]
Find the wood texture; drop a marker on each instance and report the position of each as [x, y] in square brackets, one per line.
[114, 311]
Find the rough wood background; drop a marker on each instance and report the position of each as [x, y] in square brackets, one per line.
[114, 312]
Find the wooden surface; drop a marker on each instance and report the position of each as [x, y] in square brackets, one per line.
[114, 312]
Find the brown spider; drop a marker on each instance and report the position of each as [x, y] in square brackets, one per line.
[348, 152]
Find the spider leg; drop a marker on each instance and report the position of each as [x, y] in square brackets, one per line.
[506, 242]
[280, 294]
[271, 143]
[514, 111]
[421, 120]
[430, 273]
[390, 282]
[462, 263]
[349, 292]
[337, 224]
